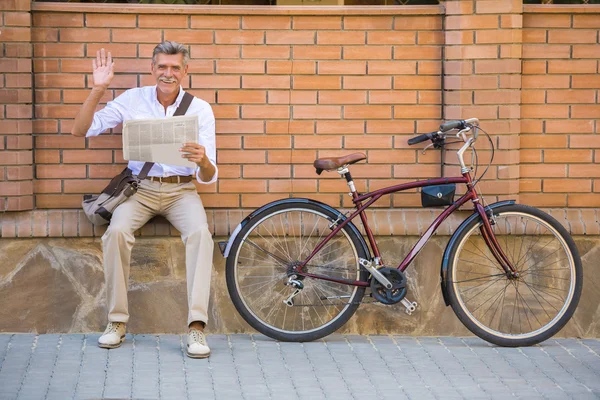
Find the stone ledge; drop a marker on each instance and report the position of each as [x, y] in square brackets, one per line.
[383, 222]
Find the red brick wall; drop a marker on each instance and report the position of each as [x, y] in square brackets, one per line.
[285, 90]
[16, 171]
[561, 110]
[295, 85]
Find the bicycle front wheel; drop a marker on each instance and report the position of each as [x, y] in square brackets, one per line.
[522, 311]
[264, 256]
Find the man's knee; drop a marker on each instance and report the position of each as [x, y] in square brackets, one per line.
[118, 231]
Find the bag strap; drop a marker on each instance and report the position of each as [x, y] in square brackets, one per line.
[183, 106]
[181, 110]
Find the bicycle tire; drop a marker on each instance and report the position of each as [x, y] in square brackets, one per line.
[290, 228]
[544, 281]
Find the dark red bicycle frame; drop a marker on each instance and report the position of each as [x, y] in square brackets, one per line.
[471, 194]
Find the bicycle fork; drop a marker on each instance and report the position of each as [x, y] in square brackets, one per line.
[490, 239]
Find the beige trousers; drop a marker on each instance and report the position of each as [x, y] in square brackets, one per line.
[182, 206]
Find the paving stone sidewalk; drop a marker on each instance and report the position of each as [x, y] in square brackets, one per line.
[255, 367]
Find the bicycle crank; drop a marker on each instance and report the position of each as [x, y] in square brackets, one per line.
[389, 295]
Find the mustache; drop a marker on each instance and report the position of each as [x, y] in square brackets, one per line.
[167, 80]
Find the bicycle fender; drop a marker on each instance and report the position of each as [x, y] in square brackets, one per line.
[226, 246]
[454, 238]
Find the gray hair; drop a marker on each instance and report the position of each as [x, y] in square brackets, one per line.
[168, 47]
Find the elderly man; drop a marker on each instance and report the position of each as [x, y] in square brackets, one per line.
[168, 190]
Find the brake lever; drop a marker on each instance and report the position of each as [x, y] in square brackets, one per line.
[426, 147]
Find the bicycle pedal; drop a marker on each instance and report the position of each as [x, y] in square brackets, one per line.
[411, 306]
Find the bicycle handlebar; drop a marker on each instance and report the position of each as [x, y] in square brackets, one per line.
[422, 138]
[445, 127]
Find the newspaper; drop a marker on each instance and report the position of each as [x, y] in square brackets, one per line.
[159, 140]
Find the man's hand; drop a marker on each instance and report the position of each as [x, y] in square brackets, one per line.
[196, 153]
[103, 69]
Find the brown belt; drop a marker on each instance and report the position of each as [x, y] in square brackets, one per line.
[171, 179]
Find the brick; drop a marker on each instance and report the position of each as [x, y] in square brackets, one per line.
[583, 200]
[317, 142]
[342, 67]
[497, 66]
[16, 34]
[535, 36]
[342, 97]
[340, 127]
[292, 97]
[430, 38]
[317, 82]
[226, 111]
[266, 82]
[567, 185]
[571, 96]
[584, 141]
[83, 156]
[60, 171]
[44, 34]
[291, 67]
[548, 81]
[241, 157]
[60, 80]
[367, 82]
[237, 37]
[265, 52]
[584, 111]
[546, 51]
[265, 111]
[367, 112]
[19, 142]
[58, 202]
[568, 156]
[242, 186]
[390, 127]
[267, 142]
[498, 97]
[419, 111]
[417, 23]
[290, 37]
[163, 21]
[214, 22]
[511, 21]
[49, 96]
[294, 156]
[392, 67]
[418, 82]
[58, 50]
[318, 52]
[585, 81]
[316, 112]
[18, 49]
[499, 36]
[367, 53]
[117, 50]
[47, 156]
[317, 22]
[341, 37]
[459, 37]
[134, 36]
[533, 96]
[188, 36]
[391, 38]
[546, 21]
[368, 22]
[498, 7]
[293, 186]
[586, 51]
[111, 20]
[17, 19]
[15, 65]
[86, 35]
[459, 7]
[368, 142]
[570, 126]
[471, 22]
[585, 21]
[225, 127]
[458, 67]
[572, 36]
[218, 81]
[18, 80]
[59, 142]
[242, 96]
[266, 171]
[471, 52]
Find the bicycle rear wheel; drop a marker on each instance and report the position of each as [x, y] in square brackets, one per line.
[522, 311]
[262, 259]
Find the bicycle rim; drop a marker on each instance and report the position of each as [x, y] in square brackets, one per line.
[523, 308]
[264, 262]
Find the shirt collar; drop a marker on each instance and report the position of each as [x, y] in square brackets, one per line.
[177, 100]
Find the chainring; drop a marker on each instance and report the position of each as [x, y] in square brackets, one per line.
[393, 295]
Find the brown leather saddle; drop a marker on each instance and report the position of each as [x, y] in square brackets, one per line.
[331, 163]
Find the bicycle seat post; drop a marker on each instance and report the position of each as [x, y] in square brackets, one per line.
[345, 172]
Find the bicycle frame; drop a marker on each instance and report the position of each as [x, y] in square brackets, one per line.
[471, 194]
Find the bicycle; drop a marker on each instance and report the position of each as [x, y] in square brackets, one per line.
[297, 269]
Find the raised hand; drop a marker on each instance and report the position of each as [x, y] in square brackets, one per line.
[103, 69]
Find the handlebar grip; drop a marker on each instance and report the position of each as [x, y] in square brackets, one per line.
[421, 138]
[452, 125]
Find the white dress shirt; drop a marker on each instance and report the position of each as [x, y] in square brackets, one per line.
[142, 103]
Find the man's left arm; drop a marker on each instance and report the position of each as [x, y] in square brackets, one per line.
[204, 153]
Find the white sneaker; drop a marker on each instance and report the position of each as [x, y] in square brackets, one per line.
[196, 345]
[113, 336]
